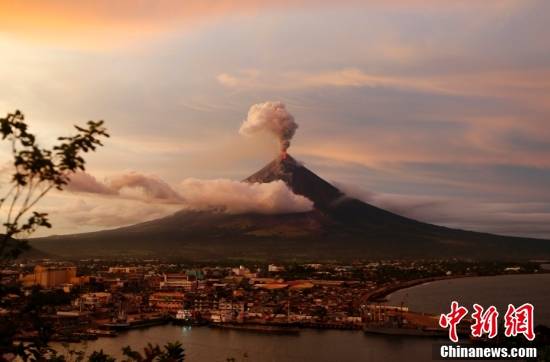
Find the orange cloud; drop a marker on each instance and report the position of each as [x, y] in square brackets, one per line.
[99, 24]
[103, 23]
[346, 77]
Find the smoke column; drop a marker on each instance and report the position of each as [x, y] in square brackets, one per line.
[272, 117]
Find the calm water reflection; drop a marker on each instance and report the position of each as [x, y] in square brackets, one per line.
[205, 344]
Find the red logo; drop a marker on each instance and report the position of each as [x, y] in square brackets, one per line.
[451, 320]
[484, 321]
[519, 321]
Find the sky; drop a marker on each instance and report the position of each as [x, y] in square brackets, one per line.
[438, 110]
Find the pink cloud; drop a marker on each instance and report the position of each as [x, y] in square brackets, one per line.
[237, 197]
[153, 187]
[84, 182]
[222, 194]
[90, 214]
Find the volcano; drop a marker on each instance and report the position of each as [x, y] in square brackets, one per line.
[338, 228]
[299, 179]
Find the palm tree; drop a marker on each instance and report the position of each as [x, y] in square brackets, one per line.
[150, 353]
[173, 352]
[100, 356]
[131, 354]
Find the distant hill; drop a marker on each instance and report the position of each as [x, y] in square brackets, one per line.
[338, 227]
[28, 252]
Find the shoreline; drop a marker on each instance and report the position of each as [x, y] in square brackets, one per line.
[379, 295]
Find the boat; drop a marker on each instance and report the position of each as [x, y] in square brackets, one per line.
[148, 322]
[399, 321]
[86, 336]
[117, 326]
[102, 332]
[118, 323]
[141, 322]
[182, 317]
[185, 318]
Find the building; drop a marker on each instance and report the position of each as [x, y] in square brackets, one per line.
[167, 301]
[50, 276]
[272, 268]
[241, 271]
[94, 300]
[228, 311]
[124, 269]
[177, 281]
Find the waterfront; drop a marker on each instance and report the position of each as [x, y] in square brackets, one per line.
[435, 297]
[207, 344]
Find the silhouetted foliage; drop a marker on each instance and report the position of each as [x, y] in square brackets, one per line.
[36, 171]
[171, 352]
[100, 356]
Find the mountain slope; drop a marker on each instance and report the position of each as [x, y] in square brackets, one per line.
[300, 180]
[338, 228]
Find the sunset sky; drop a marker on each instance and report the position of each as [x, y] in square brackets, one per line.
[436, 109]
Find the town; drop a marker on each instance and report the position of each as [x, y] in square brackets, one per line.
[77, 300]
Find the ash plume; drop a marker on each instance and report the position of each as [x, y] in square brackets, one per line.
[272, 117]
[130, 185]
[236, 197]
[151, 186]
[229, 196]
[84, 182]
